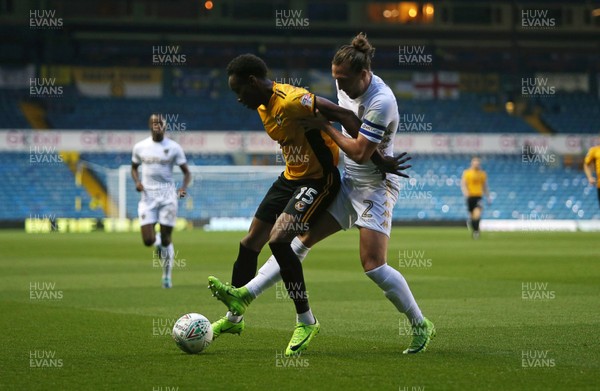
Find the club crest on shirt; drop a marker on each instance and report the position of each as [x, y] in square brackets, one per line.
[307, 100]
[166, 150]
[361, 111]
[300, 206]
[279, 119]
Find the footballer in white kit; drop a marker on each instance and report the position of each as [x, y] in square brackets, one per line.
[365, 199]
[157, 155]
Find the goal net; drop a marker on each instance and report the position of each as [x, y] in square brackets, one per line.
[216, 192]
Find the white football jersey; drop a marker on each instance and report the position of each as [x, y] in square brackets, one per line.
[157, 160]
[378, 110]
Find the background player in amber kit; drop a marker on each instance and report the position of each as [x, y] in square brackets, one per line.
[157, 155]
[593, 157]
[474, 186]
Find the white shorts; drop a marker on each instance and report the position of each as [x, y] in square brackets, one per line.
[367, 204]
[163, 211]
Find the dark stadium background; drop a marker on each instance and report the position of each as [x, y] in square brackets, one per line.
[516, 82]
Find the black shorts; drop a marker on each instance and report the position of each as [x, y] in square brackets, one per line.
[302, 199]
[599, 196]
[474, 202]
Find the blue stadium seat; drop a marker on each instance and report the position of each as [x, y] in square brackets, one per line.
[572, 113]
[520, 190]
[40, 185]
[11, 115]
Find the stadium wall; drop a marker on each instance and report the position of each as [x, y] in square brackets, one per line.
[15, 140]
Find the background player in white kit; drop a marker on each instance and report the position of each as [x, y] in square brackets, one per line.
[157, 155]
[365, 198]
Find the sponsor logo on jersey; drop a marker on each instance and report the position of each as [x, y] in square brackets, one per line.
[368, 128]
[279, 119]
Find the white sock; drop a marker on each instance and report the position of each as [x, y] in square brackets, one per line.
[268, 274]
[158, 241]
[397, 291]
[306, 317]
[233, 318]
[299, 248]
[167, 257]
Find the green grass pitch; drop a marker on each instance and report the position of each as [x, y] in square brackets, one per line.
[514, 311]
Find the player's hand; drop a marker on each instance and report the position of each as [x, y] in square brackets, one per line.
[395, 165]
[592, 181]
[317, 122]
[139, 186]
[181, 192]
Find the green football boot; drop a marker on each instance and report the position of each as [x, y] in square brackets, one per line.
[236, 299]
[422, 335]
[303, 334]
[225, 326]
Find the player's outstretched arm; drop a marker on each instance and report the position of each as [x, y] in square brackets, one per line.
[358, 149]
[335, 113]
[352, 124]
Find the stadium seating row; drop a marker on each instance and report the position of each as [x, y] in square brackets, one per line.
[520, 190]
[571, 113]
[563, 113]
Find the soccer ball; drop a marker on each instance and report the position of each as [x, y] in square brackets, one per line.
[192, 333]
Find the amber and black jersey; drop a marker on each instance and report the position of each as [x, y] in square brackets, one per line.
[308, 154]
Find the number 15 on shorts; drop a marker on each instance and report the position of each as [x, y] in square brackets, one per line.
[307, 195]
